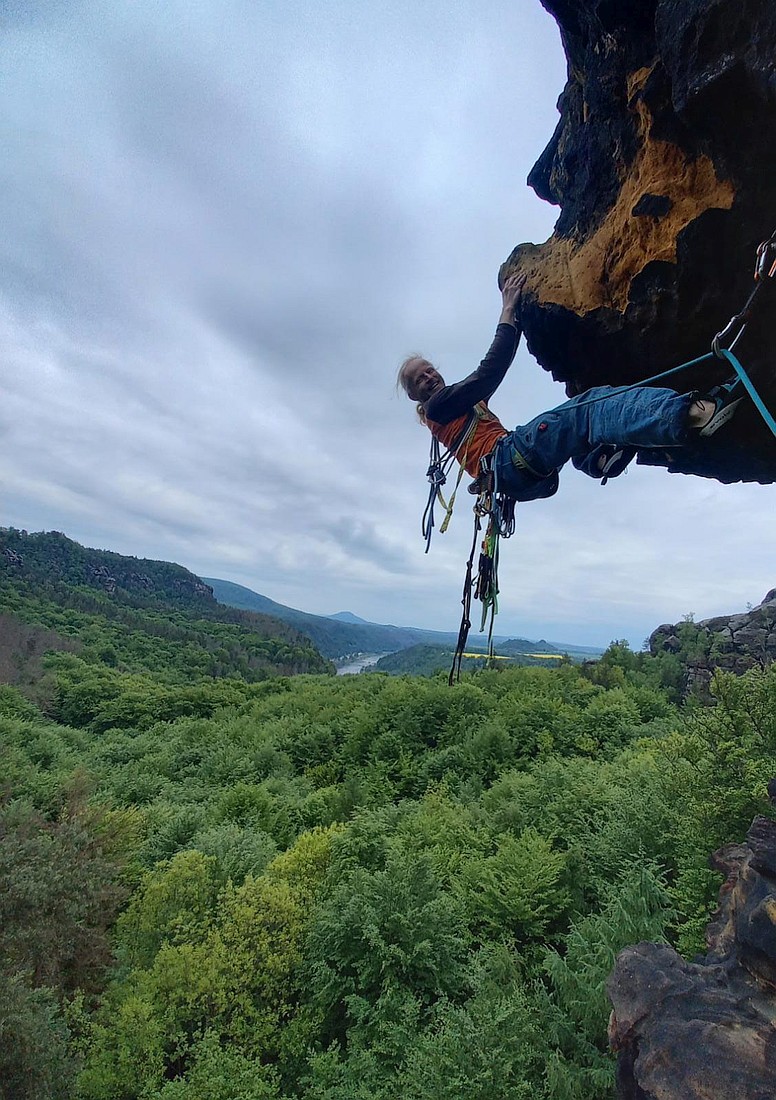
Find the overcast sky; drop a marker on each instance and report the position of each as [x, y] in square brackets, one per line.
[224, 224]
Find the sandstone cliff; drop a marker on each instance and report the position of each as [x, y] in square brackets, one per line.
[706, 1030]
[660, 165]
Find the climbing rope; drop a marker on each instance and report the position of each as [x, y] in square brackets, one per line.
[750, 388]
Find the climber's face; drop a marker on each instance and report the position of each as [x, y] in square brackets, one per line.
[422, 380]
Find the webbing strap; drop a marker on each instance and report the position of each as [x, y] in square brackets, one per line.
[449, 507]
[462, 441]
[750, 388]
[615, 390]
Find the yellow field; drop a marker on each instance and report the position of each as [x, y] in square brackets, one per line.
[541, 656]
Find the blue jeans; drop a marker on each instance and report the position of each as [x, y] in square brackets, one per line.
[528, 459]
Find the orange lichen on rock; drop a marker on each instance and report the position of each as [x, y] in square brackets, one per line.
[598, 271]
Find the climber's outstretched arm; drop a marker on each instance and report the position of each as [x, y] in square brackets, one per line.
[456, 400]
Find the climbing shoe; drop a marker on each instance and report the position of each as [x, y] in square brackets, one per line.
[605, 461]
[726, 399]
[616, 462]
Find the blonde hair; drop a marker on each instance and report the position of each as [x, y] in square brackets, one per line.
[402, 381]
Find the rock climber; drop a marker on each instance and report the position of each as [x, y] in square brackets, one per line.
[600, 430]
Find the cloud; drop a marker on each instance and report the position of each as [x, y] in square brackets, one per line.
[224, 226]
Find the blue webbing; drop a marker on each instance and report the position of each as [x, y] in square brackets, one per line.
[732, 359]
[750, 388]
[644, 382]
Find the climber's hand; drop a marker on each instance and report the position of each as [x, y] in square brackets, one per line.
[511, 295]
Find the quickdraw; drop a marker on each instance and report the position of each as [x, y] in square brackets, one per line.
[500, 510]
[764, 268]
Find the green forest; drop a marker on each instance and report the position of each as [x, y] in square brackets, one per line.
[132, 614]
[251, 885]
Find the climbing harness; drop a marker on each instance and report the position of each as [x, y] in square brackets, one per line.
[500, 509]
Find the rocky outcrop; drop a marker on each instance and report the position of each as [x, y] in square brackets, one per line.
[734, 643]
[660, 165]
[100, 577]
[51, 557]
[706, 1030]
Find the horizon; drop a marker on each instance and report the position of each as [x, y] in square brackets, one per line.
[402, 626]
[502, 628]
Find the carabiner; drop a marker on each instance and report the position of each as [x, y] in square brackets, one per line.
[765, 267]
[716, 343]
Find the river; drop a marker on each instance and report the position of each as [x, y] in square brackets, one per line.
[364, 660]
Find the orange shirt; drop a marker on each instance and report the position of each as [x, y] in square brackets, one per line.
[487, 432]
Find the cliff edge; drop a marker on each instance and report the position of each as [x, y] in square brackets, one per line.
[660, 165]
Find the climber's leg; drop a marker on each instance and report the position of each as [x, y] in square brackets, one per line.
[528, 458]
[641, 417]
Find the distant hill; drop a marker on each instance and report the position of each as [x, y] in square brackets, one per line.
[514, 646]
[135, 614]
[334, 637]
[344, 634]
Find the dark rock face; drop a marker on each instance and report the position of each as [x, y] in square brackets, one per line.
[660, 165]
[706, 1030]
